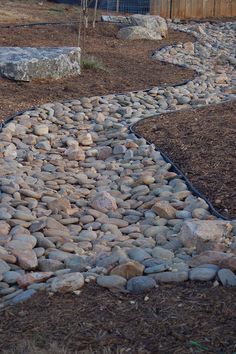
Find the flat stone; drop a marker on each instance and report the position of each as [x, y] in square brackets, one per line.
[4, 267]
[164, 210]
[128, 270]
[198, 231]
[34, 277]
[86, 235]
[229, 263]
[138, 254]
[103, 202]
[25, 64]
[138, 32]
[140, 284]
[210, 257]
[23, 296]
[24, 216]
[67, 282]
[162, 253]
[50, 265]
[111, 281]
[155, 23]
[4, 228]
[26, 259]
[29, 239]
[58, 205]
[158, 268]
[76, 263]
[41, 129]
[16, 245]
[170, 277]
[202, 274]
[227, 277]
[59, 255]
[11, 277]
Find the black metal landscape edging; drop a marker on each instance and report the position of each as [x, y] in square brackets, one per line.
[33, 24]
[10, 118]
[174, 168]
[178, 171]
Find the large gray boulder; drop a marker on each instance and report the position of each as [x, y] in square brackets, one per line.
[144, 27]
[138, 32]
[25, 64]
[154, 24]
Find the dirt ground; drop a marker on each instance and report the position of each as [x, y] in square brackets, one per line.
[28, 11]
[187, 318]
[201, 142]
[122, 61]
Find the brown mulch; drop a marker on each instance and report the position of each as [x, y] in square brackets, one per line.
[202, 143]
[127, 65]
[187, 318]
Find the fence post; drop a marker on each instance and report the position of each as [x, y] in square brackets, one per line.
[117, 5]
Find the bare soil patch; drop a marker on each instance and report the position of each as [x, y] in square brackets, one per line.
[187, 318]
[127, 65]
[29, 11]
[202, 143]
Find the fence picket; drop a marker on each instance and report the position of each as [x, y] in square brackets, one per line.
[193, 8]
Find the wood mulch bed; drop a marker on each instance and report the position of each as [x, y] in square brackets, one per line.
[127, 65]
[187, 318]
[201, 142]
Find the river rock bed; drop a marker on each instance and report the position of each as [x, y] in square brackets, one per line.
[83, 199]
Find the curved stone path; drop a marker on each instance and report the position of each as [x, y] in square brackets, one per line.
[82, 199]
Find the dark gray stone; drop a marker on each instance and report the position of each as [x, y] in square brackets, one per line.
[76, 263]
[22, 296]
[170, 277]
[140, 284]
[202, 274]
[227, 277]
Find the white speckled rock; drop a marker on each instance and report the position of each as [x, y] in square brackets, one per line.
[67, 282]
[111, 281]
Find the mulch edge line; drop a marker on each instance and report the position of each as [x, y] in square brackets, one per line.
[175, 167]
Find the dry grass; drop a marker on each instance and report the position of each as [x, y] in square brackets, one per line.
[90, 62]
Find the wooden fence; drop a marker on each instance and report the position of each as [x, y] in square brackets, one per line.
[193, 8]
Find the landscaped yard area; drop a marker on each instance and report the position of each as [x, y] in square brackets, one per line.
[110, 249]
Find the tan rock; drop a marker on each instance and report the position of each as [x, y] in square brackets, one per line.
[104, 152]
[4, 239]
[34, 277]
[26, 259]
[229, 263]
[17, 245]
[205, 234]
[147, 179]
[209, 257]
[58, 205]
[85, 139]
[9, 258]
[75, 154]
[128, 270]
[189, 46]
[104, 202]
[54, 224]
[164, 210]
[4, 228]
